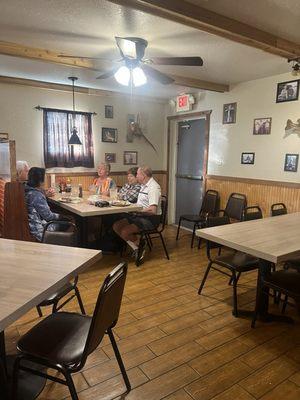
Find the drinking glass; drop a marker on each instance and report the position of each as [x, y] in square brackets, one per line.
[113, 193]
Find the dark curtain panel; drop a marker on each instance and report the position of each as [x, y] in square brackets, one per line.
[57, 132]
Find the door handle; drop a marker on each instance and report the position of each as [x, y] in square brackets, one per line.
[192, 177]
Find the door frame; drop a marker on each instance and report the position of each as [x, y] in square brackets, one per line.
[189, 116]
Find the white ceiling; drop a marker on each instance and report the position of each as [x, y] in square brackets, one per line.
[88, 28]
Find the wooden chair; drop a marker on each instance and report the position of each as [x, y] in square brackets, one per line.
[278, 209]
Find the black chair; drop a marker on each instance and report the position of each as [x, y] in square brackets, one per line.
[62, 233]
[283, 281]
[252, 212]
[209, 206]
[63, 340]
[235, 206]
[149, 235]
[236, 262]
[278, 209]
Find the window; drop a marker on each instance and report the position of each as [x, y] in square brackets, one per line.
[57, 132]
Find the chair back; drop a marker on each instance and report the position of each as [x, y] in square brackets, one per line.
[215, 221]
[235, 206]
[107, 308]
[164, 213]
[278, 209]
[252, 212]
[210, 203]
[15, 221]
[63, 233]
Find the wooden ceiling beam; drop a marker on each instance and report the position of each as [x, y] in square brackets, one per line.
[199, 84]
[202, 19]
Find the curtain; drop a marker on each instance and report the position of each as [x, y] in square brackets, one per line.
[57, 132]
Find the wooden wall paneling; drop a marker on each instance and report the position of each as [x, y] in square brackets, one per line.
[2, 185]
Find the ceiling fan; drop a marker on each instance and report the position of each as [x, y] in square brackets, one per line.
[136, 68]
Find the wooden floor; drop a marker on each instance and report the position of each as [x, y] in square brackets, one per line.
[177, 345]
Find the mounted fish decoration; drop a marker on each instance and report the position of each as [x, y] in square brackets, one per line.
[135, 129]
[292, 128]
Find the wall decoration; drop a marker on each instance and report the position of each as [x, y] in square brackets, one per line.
[109, 135]
[229, 113]
[247, 158]
[136, 128]
[292, 128]
[262, 126]
[109, 112]
[291, 162]
[287, 91]
[110, 157]
[3, 136]
[130, 157]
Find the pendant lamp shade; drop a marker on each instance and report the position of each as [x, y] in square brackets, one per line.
[74, 139]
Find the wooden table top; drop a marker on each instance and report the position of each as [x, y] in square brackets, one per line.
[30, 272]
[85, 209]
[273, 239]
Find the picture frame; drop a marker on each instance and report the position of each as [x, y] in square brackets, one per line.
[130, 157]
[110, 157]
[287, 91]
[247, 158]
[291, 162]
[262, 126]
[229, 113]
[3, 136]
[109, 135]
[109, 111]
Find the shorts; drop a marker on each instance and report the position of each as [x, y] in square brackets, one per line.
[144, 223]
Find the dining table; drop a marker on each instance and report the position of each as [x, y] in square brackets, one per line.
[30, 272]
[272, 240]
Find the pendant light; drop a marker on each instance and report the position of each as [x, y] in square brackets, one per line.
[74, 139]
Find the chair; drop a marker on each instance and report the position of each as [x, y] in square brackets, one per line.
[236, 262]
[66, 234]
[235, 206]
[64, 340]
[283, 281]
[252, 212]
[278, 209]
[209, 206]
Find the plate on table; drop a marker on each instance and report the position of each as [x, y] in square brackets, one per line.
[120, 203]
[71, 200]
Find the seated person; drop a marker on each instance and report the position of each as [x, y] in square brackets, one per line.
[22, 176]
[149, 218]
[104, 182]
[39, 212]
[130, 190]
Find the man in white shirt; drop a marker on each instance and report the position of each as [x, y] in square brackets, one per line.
[147, 219]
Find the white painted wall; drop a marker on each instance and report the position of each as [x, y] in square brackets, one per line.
[254, 99]
[25, 124]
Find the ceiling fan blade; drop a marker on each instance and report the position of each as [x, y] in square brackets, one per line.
[188, 61]
[108, 74]
[157, 75]
[127, 47]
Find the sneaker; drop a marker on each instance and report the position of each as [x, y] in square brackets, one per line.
[141, 253]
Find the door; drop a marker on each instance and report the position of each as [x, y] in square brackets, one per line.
[191, 148]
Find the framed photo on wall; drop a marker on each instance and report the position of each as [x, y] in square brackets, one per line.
[110, 157]
[109, 135]
[262, 126]
[229, 113]
[287, 91]
[247, 158]
[291, 162]
[109, 112]
[130, 157]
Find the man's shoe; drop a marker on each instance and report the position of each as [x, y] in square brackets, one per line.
[141, 253]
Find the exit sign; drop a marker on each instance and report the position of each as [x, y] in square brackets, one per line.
[183, 103]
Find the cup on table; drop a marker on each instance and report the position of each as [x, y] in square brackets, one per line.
[113, 193]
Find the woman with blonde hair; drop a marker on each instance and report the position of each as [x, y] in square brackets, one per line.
[103, 183]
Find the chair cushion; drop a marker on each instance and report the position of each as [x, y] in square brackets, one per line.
[287, 280]
[59, 338]
[58, 294]
[193, 218]
[238, 261]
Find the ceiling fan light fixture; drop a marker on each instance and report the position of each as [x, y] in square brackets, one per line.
[138, 76]
[122, 76]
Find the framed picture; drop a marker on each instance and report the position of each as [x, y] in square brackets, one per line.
[291, 162]
[109, 135]
[109, 112]
[3, 136]
[229, 113]
[247, 158]
[110, 157]
[130, 157]
[287, 91]
[262, 126]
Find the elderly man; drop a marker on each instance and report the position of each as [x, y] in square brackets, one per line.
[22, 176]
[149, 198]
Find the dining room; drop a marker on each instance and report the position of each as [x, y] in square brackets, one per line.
[149, 200]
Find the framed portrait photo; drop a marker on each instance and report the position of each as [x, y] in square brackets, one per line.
[229, 113]
[109, 135]
[262, 126]
[247, 158]
[130, 157]
[291, 162]
[110, 157]
[287, 91]
[109, 112]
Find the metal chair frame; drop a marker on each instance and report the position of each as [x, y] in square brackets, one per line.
[278, 209]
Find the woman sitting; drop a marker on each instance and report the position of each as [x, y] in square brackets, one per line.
[130, 190]
[104, 182]
[39, 212]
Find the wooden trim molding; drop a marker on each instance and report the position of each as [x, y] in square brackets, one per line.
[94, 173]
[195, 114]
[254, 181]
